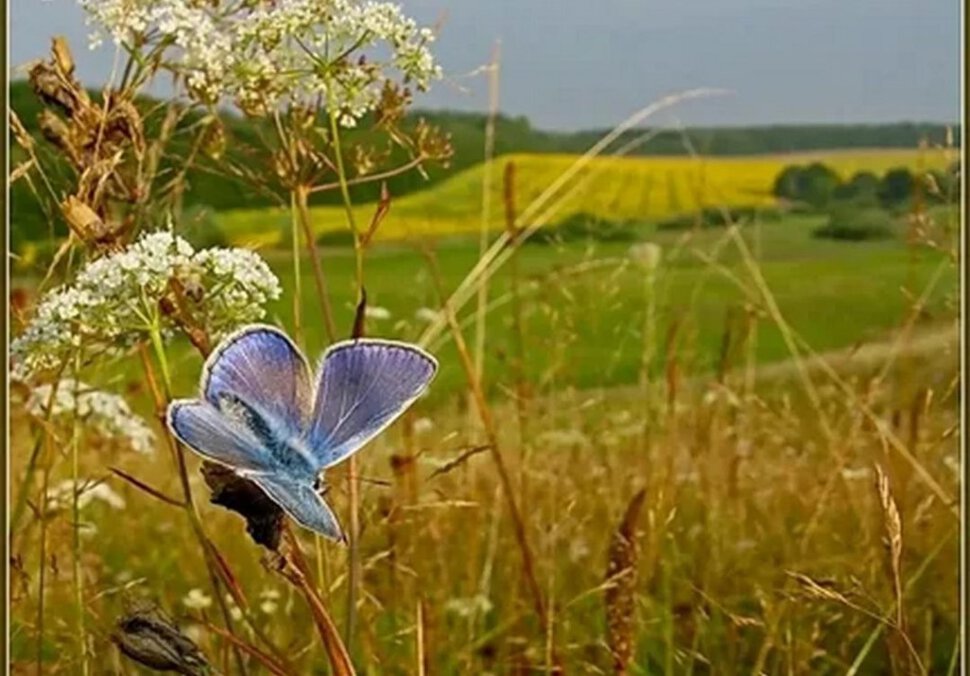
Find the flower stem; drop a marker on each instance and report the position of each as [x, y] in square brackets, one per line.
[161, 401]
[352, 462]
[76, 526]
[297, 278]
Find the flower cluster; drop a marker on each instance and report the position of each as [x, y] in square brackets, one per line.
[61, 496]
[106, 413]
[115, 300]
[261, 54]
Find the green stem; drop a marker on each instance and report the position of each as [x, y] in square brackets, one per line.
[155, 334]
[76, 527]
[354, 583]
[297, 280]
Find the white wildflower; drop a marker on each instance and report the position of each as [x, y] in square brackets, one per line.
[564, 438]
[856, 473]
[61, 496]
[426, 314]
[423, 425]
[115, 299]
[953, 464]
[377, 312]
[469, 607]
[234, 611]
[647, 255]
[269, 601]
[264, 54]
[196, 599]
[108, 414]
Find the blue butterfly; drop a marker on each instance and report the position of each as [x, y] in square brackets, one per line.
[259, 414]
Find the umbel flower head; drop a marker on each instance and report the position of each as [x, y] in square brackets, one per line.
[261, 54]
[115, 300]
[107, 414]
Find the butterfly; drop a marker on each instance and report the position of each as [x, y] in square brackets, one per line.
[259, 413]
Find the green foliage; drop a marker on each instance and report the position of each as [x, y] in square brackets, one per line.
[587, 227]
[896, 187]
[719, 218]
[814, 184]
[861, 189]
[849, 223]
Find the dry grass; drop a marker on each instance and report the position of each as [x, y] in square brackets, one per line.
[793, 525]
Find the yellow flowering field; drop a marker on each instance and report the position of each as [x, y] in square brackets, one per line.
[615, 188]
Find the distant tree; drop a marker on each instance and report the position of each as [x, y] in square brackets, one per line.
[813, 184]
[862, 188]
[787, 183]
[896, 187]
[819, 182]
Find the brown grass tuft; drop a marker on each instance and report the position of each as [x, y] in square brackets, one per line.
[621, 578]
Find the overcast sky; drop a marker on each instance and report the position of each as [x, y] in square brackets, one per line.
[570, 64]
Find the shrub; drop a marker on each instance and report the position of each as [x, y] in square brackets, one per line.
[719, 218]
[857, 225]
[583, 226]
[862, 188]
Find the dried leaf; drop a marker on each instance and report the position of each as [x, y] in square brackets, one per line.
[264, 518]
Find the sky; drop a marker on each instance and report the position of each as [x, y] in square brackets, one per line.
[578, 64]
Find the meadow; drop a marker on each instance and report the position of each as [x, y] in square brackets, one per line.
[756, 525]
[721, 450]
[613, 188]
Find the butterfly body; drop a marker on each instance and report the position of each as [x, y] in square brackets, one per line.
[259, 414]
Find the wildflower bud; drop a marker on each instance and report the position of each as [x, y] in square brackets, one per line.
[147, 636]
[647, 255]
[214, 139]
[167, 306]
[62, 56]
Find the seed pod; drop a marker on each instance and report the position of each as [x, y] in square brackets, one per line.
[148, 636]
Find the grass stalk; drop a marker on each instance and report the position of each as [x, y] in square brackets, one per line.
[301, 204]
[491, 435]
[352, 477]
[76, 573]
[486, 213]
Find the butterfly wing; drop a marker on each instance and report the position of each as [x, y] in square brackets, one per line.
[302, 503]
[364, 385]
[213, 435]
[260, 365]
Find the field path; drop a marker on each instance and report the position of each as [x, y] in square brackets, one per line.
[928, 345]
[922, 343]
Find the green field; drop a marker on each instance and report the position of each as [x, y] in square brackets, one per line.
[591, 297]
